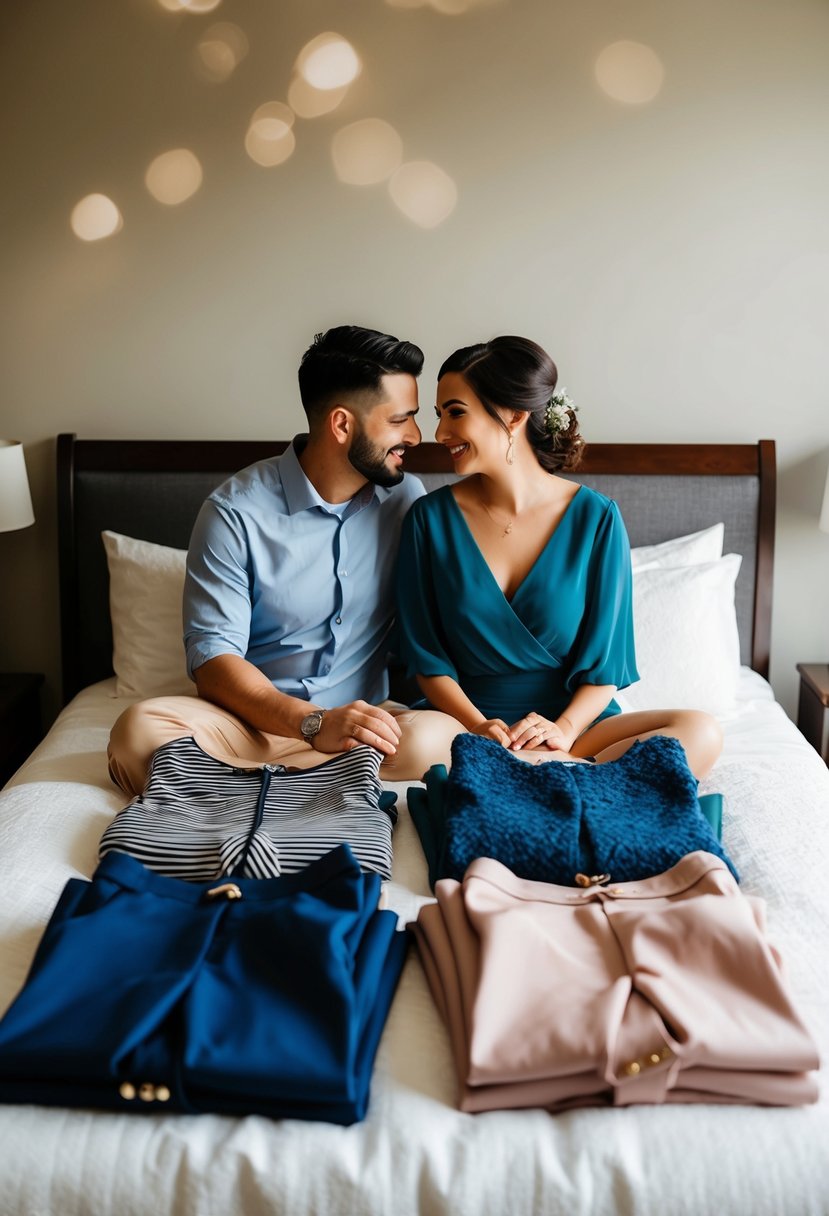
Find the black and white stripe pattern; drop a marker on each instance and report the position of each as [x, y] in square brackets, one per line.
[197, 815]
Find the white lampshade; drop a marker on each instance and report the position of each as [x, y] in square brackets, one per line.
[824, 513]
[15, 499]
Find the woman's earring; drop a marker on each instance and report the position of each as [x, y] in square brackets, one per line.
[510, 452]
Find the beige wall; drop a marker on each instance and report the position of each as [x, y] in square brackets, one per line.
[673, 256]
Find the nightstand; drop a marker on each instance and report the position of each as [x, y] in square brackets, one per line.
[813, 706]
[21, 726]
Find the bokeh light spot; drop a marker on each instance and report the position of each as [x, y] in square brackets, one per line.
[174, 176]
[308, 102]
[95, 217]
[220, 50]
[189, 6]
[328, 61]
[277, 117]
[630, 72]
[366, 152]
[424, 193]
[452, 8]
[270, 139]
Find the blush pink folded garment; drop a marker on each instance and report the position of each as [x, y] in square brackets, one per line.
[653, 991]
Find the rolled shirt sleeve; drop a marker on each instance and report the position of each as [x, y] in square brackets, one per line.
[217, 604]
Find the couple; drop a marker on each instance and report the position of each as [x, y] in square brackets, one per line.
[512, 587]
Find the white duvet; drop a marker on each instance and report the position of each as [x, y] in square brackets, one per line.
[415, 1152]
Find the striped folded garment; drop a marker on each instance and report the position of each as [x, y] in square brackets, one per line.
[199, 817]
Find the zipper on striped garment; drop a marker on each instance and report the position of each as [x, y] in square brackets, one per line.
[268, 771]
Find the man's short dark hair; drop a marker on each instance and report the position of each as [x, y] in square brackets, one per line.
[347, 363]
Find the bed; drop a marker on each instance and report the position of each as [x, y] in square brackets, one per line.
[416, 1152]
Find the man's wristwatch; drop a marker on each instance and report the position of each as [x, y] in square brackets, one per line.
[311, 725]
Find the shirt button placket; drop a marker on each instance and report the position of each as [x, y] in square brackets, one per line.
[338, 569]
[342, 569]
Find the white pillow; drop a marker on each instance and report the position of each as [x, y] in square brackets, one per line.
[687, 644]
[146, 585]
[704, 546]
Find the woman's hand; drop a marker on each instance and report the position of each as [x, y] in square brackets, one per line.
[493, 728]
[533, 730]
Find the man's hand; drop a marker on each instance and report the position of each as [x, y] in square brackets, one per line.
[350, 726]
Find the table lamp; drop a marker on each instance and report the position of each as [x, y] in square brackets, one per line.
[15, 499]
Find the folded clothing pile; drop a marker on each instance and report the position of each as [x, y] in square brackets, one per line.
[631, 818]
[199, 817]
[263, 996]
[662, 990]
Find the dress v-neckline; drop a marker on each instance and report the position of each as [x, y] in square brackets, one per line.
[510, 601]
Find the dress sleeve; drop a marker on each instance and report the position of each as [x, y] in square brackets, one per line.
[217, 606]
[604, 652]
[421, 640]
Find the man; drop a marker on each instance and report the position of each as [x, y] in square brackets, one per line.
[288, 599]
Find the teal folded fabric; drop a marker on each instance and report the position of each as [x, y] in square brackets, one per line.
[430, 810]
[387, 800]
[711, 806]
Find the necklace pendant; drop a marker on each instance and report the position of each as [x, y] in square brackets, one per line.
[508, 528]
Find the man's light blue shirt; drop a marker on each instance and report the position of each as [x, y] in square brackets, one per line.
[278, 577]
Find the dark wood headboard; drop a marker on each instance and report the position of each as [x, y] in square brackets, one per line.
[152, 490]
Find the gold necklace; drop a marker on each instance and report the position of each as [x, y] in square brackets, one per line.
[507, 529]
[513, 518]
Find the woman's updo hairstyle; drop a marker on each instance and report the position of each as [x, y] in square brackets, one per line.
[517, 374]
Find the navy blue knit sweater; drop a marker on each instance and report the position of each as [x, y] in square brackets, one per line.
[631, 818]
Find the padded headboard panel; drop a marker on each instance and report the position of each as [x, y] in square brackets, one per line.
[153, 490]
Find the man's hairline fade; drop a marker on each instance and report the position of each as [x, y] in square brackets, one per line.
[360, 401]
[367, 355]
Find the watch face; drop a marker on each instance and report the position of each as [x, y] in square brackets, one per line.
[311, 724]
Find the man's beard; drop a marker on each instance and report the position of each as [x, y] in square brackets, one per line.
[370, 461]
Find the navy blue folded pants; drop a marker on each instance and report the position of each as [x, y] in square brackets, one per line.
[149, 993]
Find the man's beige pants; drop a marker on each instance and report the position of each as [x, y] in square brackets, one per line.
[426, 739]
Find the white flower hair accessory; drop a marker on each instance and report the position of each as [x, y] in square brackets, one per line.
[559, 411]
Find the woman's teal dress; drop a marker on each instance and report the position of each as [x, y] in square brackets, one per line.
[569, 623]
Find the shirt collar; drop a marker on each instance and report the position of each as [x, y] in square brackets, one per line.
[300, 495]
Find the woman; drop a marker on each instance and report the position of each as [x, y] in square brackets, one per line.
[514, 584]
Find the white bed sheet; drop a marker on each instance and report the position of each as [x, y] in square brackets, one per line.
[415, 1152]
